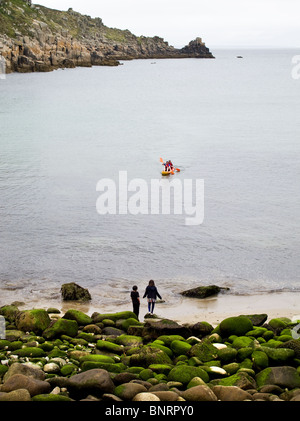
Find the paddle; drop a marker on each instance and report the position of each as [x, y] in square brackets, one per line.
[172, 172]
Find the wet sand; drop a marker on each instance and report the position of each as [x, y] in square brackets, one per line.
[192, 310]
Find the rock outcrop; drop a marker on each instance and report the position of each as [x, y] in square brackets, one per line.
[36, 38]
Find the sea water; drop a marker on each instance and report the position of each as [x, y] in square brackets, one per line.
[231, 122]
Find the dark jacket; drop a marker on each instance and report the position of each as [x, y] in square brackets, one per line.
[151, 292]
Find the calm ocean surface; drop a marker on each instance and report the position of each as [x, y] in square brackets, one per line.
[232, 122]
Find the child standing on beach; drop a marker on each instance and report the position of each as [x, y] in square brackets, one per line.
[151, 293]
[135, 298]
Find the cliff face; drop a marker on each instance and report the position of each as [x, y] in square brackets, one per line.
[35, 38]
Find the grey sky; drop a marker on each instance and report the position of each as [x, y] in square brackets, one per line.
[226, 23]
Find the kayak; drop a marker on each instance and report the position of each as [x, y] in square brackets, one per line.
[166, 173]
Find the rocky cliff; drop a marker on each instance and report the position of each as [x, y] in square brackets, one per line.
[36, 38]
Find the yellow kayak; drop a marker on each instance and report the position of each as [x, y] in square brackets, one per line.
[166, 172]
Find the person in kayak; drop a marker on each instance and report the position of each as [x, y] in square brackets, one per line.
[169, 166]
[151, 293]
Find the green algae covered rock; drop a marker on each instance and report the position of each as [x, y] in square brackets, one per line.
[227, 354]
[129, 340]
[239, 326]
[109, 347]
[97, 317]
[32, 352]
[180, 347]
[240, 379]
[148, 355]
[168, 339]
[32, 320]
[81, 318]
[204, 350]
[61, 327]
[9, 312]
[279, 355]
[283, 376]
[260, 360]
[51, 398]
[185, 373]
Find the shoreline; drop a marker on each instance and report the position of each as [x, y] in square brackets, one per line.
[191, 310]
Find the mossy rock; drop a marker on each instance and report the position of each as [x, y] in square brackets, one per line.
[239, 326]
[4, 344]
[89, 337]
[168, 339]
[231, 368]
[256, 332]
[242, 342]
[269, 334]
[227, 354]
[109, 347]
[9, 312]
[279, 323]
[46, 346]
[283, 376]
[167, 350]
[180, 347]
[61, 327]
[272, 343]
[81, 318]
[68, 369]
[51, 398]
[97, 358]
[3, 370]
[194, 361]
[284, 338]
[204, 350]
[111, 367]
[279, 355]
[33, 352]
[146, 374]
[129, 340]
[185, 373]
[129, 322]
[260, 360]
[113, 316]
[148, 355]
[109, 322]
[36, 320]
[161, 368]
[196, 381]
[135, 370]
[240, 379]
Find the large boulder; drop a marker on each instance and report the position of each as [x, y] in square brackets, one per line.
[185, 373]
[19, 381]
[148, 355]
[81, 318]
[61, 327]
[32, 320]
[155, 328]
[72, 291]
[92, 382]
[199, 394]
[283, 376]
[203, 291]
[9, 312]
[18, 368]
[235, 326]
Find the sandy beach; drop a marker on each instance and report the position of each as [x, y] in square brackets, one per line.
[192, 310]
